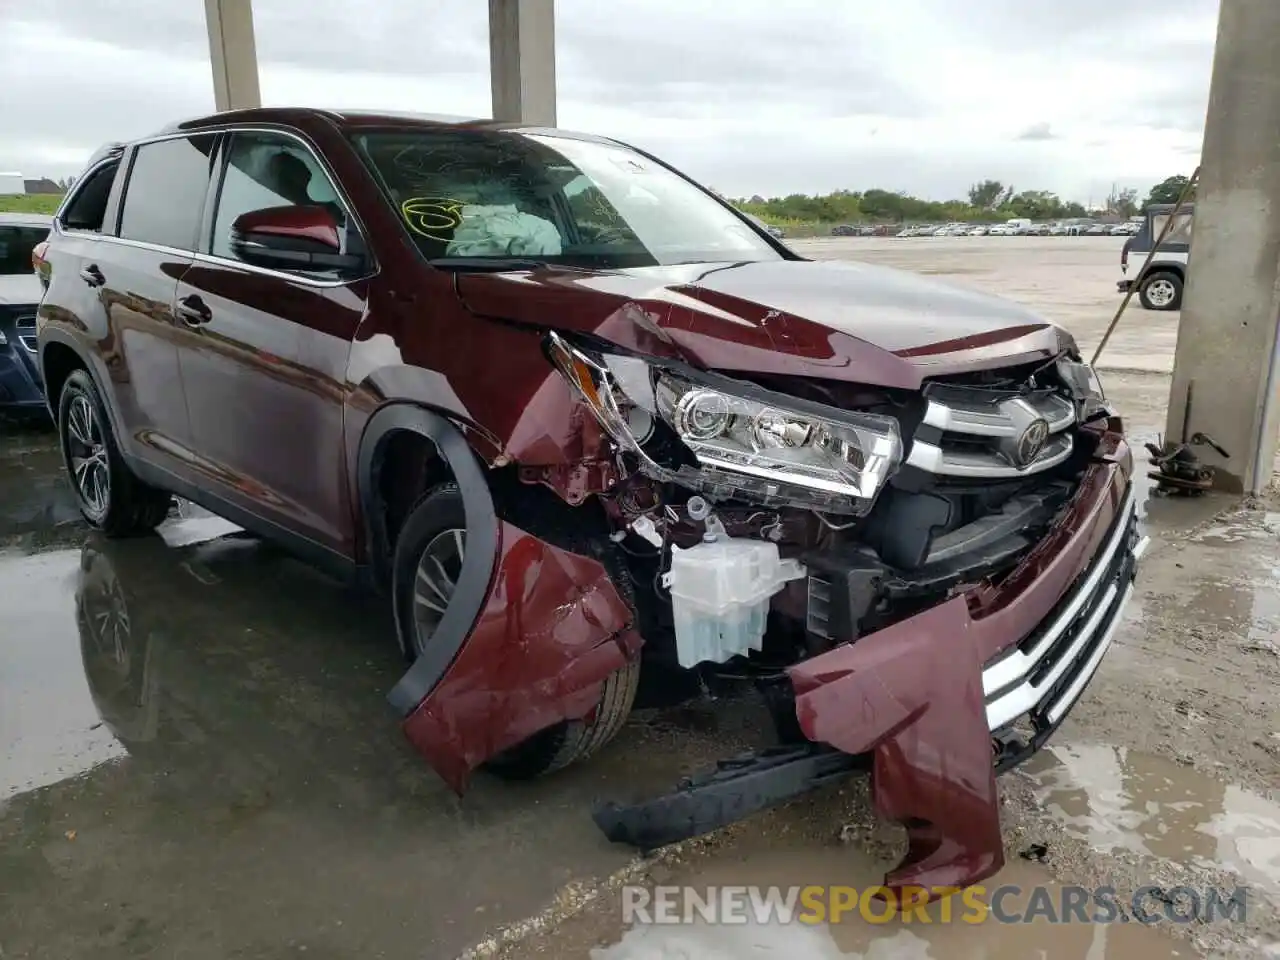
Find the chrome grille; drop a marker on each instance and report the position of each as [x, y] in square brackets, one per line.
[973, 439]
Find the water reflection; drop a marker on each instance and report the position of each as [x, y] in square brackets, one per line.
[1119, 799]
[49, 726]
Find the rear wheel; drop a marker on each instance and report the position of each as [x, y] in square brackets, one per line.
[1161, 291]
[428, 562]
[110, 496]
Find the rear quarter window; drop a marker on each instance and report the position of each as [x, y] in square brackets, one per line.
[87, 208]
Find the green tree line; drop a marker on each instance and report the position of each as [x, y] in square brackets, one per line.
[989, 200]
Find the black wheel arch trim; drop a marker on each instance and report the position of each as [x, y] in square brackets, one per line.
[91, 365]
[482, 527]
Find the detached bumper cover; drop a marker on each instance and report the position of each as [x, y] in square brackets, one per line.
[925, 695]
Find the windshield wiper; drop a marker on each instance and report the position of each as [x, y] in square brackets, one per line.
[486, 264]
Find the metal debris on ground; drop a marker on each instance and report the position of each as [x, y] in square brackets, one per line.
[1179, 470]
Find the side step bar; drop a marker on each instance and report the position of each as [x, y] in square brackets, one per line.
[736, 788]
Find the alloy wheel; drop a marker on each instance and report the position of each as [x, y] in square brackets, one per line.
[437, 577]
[87, 456]
[1160, 293]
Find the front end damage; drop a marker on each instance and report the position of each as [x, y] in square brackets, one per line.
[918, 582]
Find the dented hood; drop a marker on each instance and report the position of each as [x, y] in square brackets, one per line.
[834, 320]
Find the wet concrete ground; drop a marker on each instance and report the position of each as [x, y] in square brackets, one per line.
[196, 761]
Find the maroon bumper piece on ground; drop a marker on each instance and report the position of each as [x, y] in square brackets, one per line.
[912, 693]
[553, 628]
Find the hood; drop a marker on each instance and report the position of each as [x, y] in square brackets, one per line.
[834, 320]
[20, 290]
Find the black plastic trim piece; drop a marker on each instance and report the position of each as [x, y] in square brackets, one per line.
[735, 789]
[482, 527]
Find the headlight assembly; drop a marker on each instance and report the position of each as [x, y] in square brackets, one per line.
[765, 447]
[1085, 388]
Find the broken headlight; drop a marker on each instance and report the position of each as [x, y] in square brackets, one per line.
[747, 443]
[1086, 389]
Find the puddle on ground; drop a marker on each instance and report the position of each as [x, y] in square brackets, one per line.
[49, 726]
[1119, 799]
[51, 718]
[854, 937]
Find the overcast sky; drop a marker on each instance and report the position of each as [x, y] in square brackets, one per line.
[766, 97]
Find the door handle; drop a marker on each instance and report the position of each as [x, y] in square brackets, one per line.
[194, 311]
[92, 275]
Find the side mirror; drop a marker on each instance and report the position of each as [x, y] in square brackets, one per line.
[293, 237]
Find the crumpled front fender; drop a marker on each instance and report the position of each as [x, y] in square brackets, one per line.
[552, 629]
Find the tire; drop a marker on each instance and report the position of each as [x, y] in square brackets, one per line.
[1167, 292]
[111, 498]
[429, 534]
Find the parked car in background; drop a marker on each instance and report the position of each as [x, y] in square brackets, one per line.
[844, 230]
[1160, 283]
[979, 231]
[653, 440]
[999, 230]
[21, 389]
[1098, 230]
[775, 232]
[1058, 229]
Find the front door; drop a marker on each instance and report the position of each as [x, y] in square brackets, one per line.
[267, 382]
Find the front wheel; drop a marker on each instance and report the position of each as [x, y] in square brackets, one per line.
[1161, 291]
[428, 562]
[109, 495]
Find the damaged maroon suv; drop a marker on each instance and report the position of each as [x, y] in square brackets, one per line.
[594, 431]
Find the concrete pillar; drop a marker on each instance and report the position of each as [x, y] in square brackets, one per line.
[233, 53]
[522, 61]
[1231, 304]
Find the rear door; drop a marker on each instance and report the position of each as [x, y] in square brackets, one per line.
[70, 304]
[136, 273]
[266, 382]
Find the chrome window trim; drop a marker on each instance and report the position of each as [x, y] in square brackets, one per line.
[308, 145]
[347, 205]
[239, 264]
[60, 227]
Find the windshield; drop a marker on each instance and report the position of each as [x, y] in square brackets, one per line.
[16, 243]
[483, 194]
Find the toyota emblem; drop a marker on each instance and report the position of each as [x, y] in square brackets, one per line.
[1032, 441]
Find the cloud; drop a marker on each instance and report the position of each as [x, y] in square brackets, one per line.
[926, 96]
[1037, 131]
